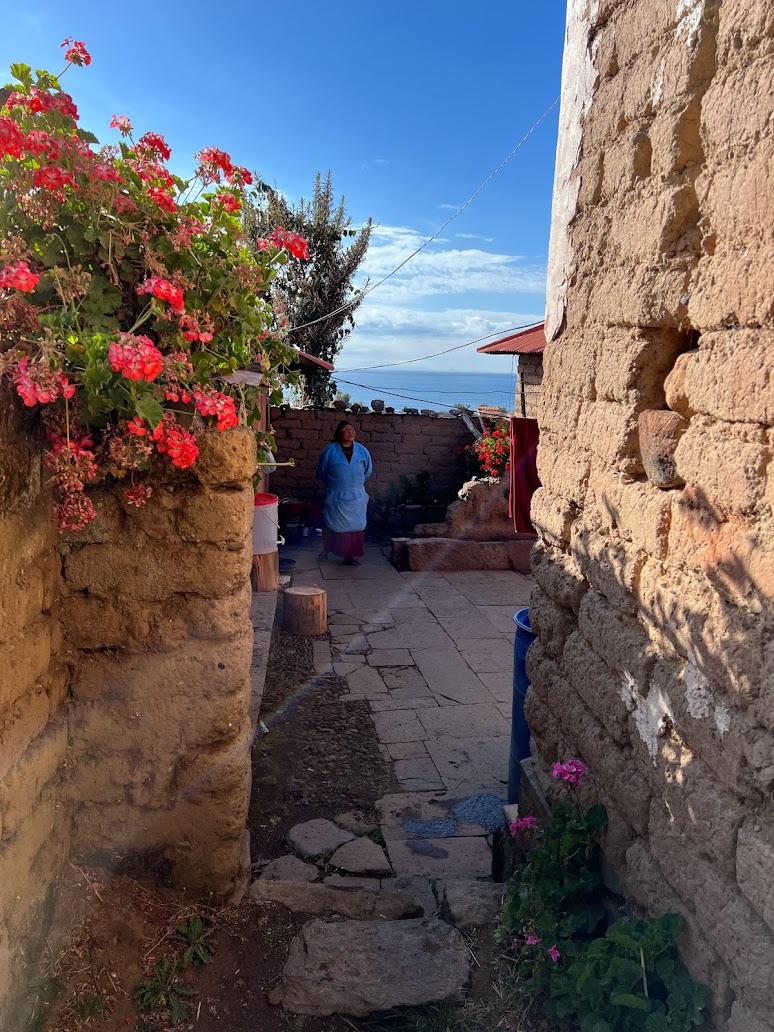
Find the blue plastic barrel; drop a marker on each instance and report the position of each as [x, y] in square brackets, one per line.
[519, 730]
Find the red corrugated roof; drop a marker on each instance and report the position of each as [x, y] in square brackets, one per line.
[525, 342]
[310, 359]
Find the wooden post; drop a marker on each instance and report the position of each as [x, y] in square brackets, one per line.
[305, 610]
[265, 572]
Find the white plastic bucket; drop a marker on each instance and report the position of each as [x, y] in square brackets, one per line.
[265, 523]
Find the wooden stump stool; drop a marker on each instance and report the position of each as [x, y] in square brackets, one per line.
[305, 610]
[265, 572]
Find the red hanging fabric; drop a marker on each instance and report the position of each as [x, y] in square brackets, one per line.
[524, 478]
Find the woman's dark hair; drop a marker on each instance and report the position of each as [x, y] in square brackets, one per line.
[340, 427]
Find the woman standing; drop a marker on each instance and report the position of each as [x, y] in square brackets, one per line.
[344, 467]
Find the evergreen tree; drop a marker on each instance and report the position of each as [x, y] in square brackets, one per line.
[308, 290]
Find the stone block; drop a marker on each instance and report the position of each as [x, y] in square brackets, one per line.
[559, 575]
[610, 430]
[448, 554]
[552, 517]
[472, 904]
[646, 882]
[40, 766]
[597, 684]
[608, 565]
[20, 723]
[617, 637]
[361, 904]
[729, 377]
[754, 866]
[225, 458]
[724, 642]
[553, 623]
[659, 434]
[724, 463]
[357, 967]
[637, 512]
[217, 517]
[631, 364]
[467, 857]
[155, 571]
[743, 1019]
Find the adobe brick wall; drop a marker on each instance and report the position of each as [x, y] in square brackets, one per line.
[147, 700]
[528, 384]
[33, 689]
[655, 592]
[398, 445]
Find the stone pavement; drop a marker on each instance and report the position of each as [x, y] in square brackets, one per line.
[432, 653]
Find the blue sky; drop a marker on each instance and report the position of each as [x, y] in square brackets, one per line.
[411, 106]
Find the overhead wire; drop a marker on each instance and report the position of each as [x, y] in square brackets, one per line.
[422, 358]
[368, 290]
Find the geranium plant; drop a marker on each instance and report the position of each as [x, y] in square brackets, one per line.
[492, 451]
[127, 293]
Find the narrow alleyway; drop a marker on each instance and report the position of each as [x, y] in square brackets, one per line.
[432, 654]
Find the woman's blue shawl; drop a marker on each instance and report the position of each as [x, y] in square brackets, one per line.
[346, 500]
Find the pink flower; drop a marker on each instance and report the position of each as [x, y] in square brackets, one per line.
[521, 823]
[138, 495]
[213, 403]
[122, 123]
[136, 358]
[553, 953]
[37, 384]
[76, 53]
[572, 771]
[74, 512]
[532, 940]
[19, 277]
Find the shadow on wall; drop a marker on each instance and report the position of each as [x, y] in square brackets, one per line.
[654, 674]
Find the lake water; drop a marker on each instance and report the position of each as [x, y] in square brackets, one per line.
[415, 388]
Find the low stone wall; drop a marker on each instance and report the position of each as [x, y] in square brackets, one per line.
[34, 830]
[157, 602]
[654, 602]
[399, 446]
[130, 744]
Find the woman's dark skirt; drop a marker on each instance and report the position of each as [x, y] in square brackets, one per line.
[347, 544]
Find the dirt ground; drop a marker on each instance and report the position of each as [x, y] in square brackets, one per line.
[319, 758]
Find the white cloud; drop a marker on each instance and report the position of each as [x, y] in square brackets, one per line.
[440, 270]
[444, 296]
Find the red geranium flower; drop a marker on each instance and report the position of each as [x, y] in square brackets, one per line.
[136, 358]
[292, 242]
[19, 277]
[76, 53]
[122, 123]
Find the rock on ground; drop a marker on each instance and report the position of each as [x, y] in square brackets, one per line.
[361, 856]
[473, 904]
[358, 825]
[289, 868]
[359, 967]
[316, 838]
[360, 904]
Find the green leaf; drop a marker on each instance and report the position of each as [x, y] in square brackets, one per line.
[656, 1023]
[629, 1000]
[149, 409]
[22, 73]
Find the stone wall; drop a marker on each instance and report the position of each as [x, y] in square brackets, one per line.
[655, 594]
[528, 384]
[129, 745]
[33, 727]
[399, 445]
